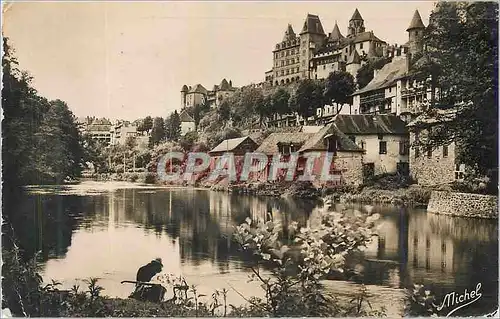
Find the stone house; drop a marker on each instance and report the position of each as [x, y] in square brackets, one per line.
[187, 122]
[237, 146]
[347, 160]
[384, 138]
[198, 94]
[279, 143]
[433, 166]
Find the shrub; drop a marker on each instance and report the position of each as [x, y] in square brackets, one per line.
[294, 287]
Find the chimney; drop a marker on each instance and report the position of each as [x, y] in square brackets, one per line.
[230, 83]
[408, 62]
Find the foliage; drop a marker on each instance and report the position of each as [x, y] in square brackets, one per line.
[187, 141]
[293, 287]
[422, 302]
[462, 61]
[41, 141]
[365, 72]
[224, 110]
[307, 98]
[280, 100]
[173, 127]
[338, 88]
[158, 133]
[145, 125]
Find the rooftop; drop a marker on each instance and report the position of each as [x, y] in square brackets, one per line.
[364, 124]
[270, 145]
[316, 142]
[386, 76]
[229, 144]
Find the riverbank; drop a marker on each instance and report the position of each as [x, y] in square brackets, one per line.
[80, 304]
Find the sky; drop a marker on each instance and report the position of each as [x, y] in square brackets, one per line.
[128, 60]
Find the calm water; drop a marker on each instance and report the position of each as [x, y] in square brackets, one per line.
[108, 230]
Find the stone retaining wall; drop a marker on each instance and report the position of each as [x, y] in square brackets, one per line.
[463, 204]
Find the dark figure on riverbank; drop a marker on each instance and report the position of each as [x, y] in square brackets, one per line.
[147, 272]
[150, 292]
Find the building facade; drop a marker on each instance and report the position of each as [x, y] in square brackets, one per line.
[199, 95]
[314, 54]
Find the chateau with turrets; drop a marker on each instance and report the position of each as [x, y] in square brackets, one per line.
[312, 54]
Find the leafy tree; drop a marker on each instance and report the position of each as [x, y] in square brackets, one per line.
[307, 98]
[280, 100]
[187, 141]
[146, 124]
[365, 72]
[462, 61]
[224, 111]
[338, 88]
[158, 131]
[175, 126]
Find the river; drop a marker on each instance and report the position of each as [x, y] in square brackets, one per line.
[108, 230]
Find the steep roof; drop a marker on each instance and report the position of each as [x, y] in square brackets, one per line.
[336, 35]
[385, 76]
[270, 145]
[224, 85]
[312, 25]
[416, 22]
[354, 58]
[185, 117]
[316, 142]
[198, 88]
[184, 88]
[289, 34]
[363, 36]
[364, 124]
[356, 15]
[230, 144]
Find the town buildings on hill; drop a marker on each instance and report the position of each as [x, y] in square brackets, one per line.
[199, 95]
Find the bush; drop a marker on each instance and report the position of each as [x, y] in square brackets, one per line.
[294, 288]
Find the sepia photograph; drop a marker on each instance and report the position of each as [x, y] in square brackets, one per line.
[249, 159]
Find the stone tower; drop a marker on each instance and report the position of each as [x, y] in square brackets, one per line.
[184, 91]
[356, 24]
[416, 34]
[312, 37]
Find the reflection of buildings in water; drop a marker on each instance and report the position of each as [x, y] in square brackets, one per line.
[429, 249]
[386, 245]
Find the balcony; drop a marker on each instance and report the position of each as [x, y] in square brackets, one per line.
[372, 98]
[405, 92]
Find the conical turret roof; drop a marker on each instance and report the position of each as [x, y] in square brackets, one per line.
[184, 88]
[336, 35]
[354, 58]
[312, 25]
[356, 15]
[289, 33]
[416, 22]
[224, 85]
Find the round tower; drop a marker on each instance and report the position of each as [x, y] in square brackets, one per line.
[184, 91]
[416, 34]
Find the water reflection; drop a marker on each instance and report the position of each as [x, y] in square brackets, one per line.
[109, 235]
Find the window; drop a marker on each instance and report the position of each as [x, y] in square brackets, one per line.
[445, 150]
[332, 146]
[404, 148]
[380, 136]
[361, 45]
[382, 147]
[429, 151]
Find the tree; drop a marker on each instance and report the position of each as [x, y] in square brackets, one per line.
[187, 141]
[365, 72]
[461, 59]
[146, 124]
[158, 131]
[307, 98]
[280, 100]
[338, 89]
[224, 111]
